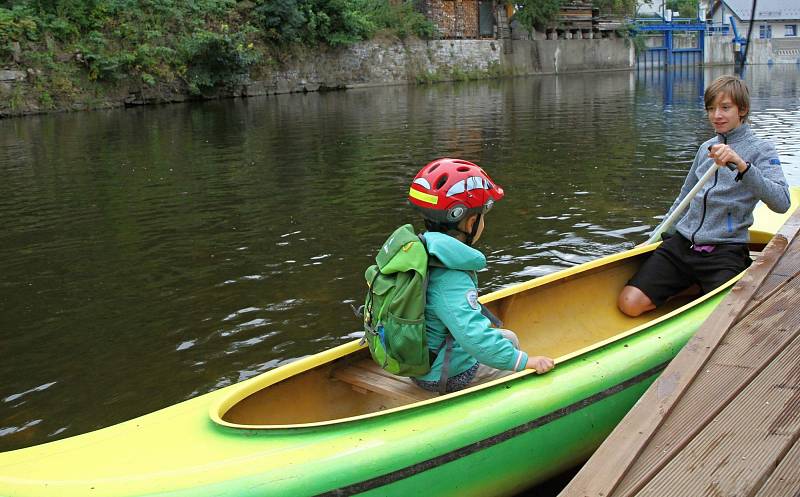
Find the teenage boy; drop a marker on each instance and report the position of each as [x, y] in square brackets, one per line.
[709, 244]
[453, 197]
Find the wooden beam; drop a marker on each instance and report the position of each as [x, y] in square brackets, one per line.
[366, 375]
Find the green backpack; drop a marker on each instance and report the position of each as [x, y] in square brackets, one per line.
[394, 308]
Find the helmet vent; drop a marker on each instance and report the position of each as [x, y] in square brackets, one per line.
[440, 182]
[463, 169]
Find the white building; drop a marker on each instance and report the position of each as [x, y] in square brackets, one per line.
[648, 8]
[774, 19]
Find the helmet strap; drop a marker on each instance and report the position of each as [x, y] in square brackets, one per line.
[474, 231]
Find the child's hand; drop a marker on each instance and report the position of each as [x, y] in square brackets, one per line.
[540, 363]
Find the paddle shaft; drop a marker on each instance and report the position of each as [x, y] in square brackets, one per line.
[678, 212]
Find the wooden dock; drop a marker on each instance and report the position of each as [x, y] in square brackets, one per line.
[724, 418]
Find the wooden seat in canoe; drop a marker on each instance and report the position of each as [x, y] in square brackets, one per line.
[366, 376]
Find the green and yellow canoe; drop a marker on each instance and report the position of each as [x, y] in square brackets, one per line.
[332, 425]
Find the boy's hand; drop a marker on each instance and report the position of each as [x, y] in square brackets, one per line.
[723, 155]
[540, 363]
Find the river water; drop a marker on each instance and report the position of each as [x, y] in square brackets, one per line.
[150, 255]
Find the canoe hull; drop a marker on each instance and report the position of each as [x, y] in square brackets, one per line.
[495, 441]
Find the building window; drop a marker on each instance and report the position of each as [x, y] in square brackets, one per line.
[765, 31]
[790, 30]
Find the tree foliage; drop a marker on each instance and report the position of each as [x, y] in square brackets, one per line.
[537, 13]
[686, 8]
[540, 13]
[336, 22]
[626, 8]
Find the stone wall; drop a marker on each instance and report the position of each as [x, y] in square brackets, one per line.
[372, 63]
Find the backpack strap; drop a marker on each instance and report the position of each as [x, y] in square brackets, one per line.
[433, 261]
[448, 347]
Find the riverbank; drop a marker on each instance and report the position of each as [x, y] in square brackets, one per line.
[386, 61]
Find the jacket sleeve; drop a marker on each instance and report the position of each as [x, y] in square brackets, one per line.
[766, 180]
[471, 329]
[688, 184]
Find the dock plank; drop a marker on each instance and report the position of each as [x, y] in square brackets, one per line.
[787, 267]
[725, 459]
[746, 351]
[785, 480]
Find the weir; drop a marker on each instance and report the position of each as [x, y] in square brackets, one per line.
[683, 42]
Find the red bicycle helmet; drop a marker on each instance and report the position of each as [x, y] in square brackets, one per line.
[448, 190]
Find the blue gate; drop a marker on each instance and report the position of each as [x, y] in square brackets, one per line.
[689, 51]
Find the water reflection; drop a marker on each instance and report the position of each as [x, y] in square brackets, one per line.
[154, 254]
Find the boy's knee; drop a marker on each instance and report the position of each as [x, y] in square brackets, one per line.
[633, 302]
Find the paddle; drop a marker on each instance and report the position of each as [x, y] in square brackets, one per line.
[678, 212]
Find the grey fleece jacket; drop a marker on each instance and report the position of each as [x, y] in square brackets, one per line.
[722, 211]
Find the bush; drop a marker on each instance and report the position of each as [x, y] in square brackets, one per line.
[401, 19]
[333, 22]
[281, 21]
[216, 59]
[102, 63]
[537, 13]
[17, 24]
[339, 22]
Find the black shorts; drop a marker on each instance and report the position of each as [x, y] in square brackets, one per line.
[674, 266]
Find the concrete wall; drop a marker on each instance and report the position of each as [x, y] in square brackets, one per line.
[375, 63]
[559, 56]
[719, 50]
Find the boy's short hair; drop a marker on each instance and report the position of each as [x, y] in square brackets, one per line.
[734, 88]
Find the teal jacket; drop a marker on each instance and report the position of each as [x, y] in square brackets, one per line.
[452, 304]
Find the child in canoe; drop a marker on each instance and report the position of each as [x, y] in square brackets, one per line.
[453, 197]
[709, 244]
